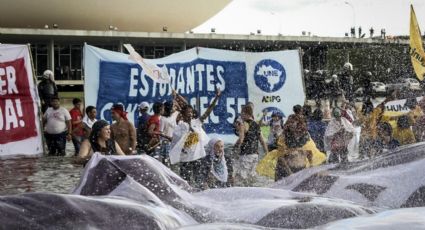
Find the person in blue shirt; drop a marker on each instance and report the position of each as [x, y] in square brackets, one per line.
[142, 129]
[316, 128]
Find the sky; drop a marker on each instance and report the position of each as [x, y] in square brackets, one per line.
[319, 17]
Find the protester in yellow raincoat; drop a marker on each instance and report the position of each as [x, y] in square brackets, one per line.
[369, 118]
[404, 134]
[267, 166]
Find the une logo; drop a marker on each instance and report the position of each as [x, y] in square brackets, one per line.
[270, 111]
[269, 75]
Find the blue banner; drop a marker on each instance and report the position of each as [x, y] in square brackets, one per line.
[197, 80]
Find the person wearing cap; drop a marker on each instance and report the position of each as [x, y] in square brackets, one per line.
[123, 131]
[142, 127]
[276, 128]
[47, 90]
[143, 113]
[99, 141]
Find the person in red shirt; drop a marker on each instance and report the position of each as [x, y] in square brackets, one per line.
[77, 124]
[154, 127]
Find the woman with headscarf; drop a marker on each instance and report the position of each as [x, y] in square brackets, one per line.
[337, 137]
[99, 141]
[215, 170]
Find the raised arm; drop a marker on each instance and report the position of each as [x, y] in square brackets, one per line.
[211, 106]
[261, 121]
[179, 99]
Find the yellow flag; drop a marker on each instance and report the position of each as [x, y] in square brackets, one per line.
[417, 54]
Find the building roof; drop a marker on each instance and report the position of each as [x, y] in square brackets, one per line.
[122, 15]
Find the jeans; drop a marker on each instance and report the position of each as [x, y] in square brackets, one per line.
[56, 143]
[76, 140]
[192, 169]
[164, 152]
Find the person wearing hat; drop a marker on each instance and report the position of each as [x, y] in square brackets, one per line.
[99, 141]
[47, 90]
[142, 127]
[276, 128]
[123, 131]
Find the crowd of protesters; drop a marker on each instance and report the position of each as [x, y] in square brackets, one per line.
[173, 133]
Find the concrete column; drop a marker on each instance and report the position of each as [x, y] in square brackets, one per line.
[120, 46]
[51, 55]
[184, 46]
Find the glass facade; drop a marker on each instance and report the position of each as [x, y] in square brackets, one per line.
[40, 58]
[68, 58]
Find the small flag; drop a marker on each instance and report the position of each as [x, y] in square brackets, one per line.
[156, 73]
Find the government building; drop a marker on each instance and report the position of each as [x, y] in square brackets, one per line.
[57, 30]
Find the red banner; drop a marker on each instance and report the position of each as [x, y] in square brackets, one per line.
[17, 116]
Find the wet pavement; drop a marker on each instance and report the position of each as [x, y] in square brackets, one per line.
[44, 174]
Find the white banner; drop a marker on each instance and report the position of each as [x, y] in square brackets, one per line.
[271, 80]
[19, 119]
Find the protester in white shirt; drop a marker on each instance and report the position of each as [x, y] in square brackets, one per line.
[168, 122]
[188, 144]
[89, 119]
[57, 127]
